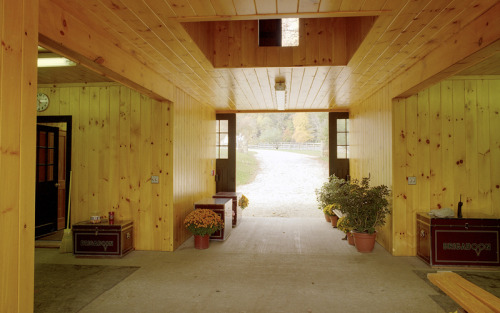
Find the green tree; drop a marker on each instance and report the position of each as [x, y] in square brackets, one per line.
[302, 127]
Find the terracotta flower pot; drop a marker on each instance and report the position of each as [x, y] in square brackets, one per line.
[334, 219]
[327, 218]
[364, 242]
[201, 242]
[350, 238]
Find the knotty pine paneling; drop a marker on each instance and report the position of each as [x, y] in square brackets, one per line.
[323, 41]
[116, 138]
[19, 37]
[194, 158]
[371, 141]
[120, 139]
[448, 136]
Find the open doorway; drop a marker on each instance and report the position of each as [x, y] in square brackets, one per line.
[53, 168]
[282, 158]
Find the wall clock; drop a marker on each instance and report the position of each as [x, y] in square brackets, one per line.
[42, 102]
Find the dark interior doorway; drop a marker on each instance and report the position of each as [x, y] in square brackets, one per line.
[53, 166]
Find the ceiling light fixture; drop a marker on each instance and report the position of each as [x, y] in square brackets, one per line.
[280, 88]
[55, 62]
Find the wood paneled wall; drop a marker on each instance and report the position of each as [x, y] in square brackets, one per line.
[19, 37]
[371, 153]
[323, 41]
[448, 136]
[194, 158]
[120, 139]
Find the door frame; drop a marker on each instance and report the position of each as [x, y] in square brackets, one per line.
[68, 120]
[336, 165]
[226, 168]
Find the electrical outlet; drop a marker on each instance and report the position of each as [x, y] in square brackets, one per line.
[155, 179]
[412, 180]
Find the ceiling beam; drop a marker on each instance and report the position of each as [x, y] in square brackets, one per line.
[214, 18]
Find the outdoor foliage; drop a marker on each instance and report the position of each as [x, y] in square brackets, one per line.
[203, 222]
[255, 128]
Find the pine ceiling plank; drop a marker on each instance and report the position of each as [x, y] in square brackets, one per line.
[428, 29]
[330, 5]
[161, 8]
[165, 41]
[245, 7]
[287, 6]
[305, 88]
[351, 5]
[181, 7]
[309, 6]
[403, 36]
[202, 7]
[167, 44]
[319, 79]
[265, 7]
[224, 7]
[386, 26]
[446, 25]
[295, 85]
[255, 87]
[372, 5]
[242, 83]
[266, 86]
[97, 15]
[323, 96]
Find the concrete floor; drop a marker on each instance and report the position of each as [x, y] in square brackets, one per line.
[266, 265]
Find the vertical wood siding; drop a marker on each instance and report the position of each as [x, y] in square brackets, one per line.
[118, 143]
[120, 139]
[448, 136]
[194, 158]
[371, 152]
[19, 37]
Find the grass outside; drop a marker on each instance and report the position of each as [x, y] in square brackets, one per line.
[246, 167]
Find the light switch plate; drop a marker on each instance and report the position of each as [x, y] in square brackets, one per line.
[155, 179]
[412, 180]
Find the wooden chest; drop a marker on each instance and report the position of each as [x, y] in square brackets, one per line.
[224, 208]
[237, 211]
[458, 241]
[103, 240]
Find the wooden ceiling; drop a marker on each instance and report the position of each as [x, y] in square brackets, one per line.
[151, 30]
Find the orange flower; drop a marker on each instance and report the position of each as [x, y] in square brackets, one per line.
[203, 222]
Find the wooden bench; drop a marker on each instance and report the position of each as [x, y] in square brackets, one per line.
[338, 213]
[469, 296]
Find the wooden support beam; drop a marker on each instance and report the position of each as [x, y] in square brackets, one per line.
[65, 34]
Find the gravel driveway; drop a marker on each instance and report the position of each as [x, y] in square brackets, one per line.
[285, 185]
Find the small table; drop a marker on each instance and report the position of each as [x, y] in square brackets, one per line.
[103, 239]
[223, 207]
[237, 211]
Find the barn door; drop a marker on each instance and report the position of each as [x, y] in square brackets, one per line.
[226, 152]
[339, 144]
[46, 180]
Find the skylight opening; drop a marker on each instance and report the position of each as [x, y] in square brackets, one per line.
[289, 32]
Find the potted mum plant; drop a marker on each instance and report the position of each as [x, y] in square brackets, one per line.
[328, 194]
[343, 225]
[328, 210]
[366, 209]
[203, 223]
